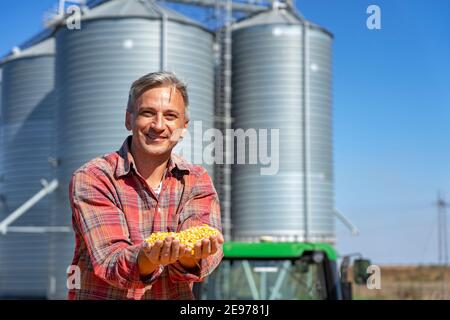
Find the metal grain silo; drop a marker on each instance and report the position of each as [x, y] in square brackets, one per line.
[282, 78]
[119, 41]
[28, 112]
[1, 150]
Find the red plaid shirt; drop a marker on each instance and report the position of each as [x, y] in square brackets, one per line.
[114, 210]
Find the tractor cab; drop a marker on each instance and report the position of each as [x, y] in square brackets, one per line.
[274, 271]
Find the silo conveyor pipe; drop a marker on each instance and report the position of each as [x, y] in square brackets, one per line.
[16, 214]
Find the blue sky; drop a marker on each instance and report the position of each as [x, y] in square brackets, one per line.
[391, 117]
[391, 123]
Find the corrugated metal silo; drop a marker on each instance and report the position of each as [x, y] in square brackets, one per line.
[282, 78]
[1, 148]
[28, 123]
[2, 204]
[118, 42]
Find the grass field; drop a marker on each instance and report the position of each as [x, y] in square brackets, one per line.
[409, 282]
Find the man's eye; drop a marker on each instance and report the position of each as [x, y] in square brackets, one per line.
[171, 117]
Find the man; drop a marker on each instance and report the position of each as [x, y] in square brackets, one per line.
[118, 200]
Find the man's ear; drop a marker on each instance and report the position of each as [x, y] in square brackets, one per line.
[128, 117]
[185, 128]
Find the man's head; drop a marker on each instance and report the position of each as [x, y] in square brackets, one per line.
[157, 113]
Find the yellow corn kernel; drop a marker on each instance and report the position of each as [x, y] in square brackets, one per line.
[187, 237]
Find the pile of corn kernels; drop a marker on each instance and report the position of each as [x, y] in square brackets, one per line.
[187, 237]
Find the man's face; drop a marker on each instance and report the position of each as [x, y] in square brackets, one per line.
[157, 122]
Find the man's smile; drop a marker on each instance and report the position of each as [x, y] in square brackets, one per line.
[156, 137]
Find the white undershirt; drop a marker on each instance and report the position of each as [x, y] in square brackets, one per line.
[158, 189]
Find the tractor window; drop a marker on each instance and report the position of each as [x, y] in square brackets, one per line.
[255, 279]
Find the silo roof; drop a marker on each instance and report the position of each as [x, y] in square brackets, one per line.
[276, 16]
[272, 16]
[133, 8]
[45, 47]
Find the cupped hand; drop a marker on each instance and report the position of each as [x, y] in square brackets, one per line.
[207, 247]
[165, 252]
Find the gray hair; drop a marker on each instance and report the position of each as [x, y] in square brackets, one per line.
[155, 80]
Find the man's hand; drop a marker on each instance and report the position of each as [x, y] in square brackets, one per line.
[165, 252]
[161, 253]
[207, 247]
[170, 250]
[202, 249]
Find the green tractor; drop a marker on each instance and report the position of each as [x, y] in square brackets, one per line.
[281, 270]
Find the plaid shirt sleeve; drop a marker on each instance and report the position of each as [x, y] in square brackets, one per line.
[102, 226]
[201, 208]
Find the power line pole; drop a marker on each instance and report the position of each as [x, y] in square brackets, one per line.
[442, 230]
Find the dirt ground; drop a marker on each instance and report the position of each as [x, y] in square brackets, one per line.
[409, 282]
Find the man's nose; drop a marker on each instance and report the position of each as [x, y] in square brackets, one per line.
[158, 122]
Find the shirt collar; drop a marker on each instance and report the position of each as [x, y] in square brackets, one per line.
[125, 161]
